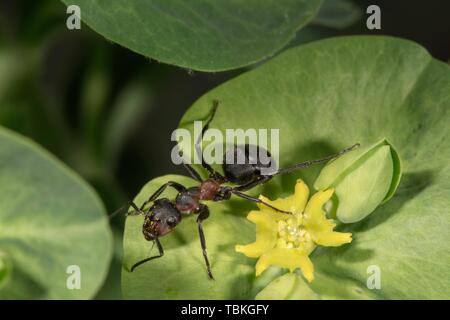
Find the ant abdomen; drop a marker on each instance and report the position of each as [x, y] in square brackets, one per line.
[243, 163]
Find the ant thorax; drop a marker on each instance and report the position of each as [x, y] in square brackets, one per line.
[188, 201]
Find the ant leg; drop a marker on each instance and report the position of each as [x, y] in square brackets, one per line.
[161, 253]
[212, 173]
[154, 196]
[203, 215]
[257, 200]
[309, 163]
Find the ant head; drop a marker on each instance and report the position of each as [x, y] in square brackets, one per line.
[163, 217]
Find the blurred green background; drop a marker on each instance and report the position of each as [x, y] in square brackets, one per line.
[108, 113]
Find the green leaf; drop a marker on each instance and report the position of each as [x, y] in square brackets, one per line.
[337, 14]
[181, 272]
[49, 220]
[202, 35]
[325, 96]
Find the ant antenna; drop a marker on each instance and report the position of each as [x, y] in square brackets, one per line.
[309, 163]
[118, 211]
[122, 209]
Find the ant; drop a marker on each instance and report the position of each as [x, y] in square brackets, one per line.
[164, 214]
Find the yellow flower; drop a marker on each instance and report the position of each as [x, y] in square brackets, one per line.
[287, 240]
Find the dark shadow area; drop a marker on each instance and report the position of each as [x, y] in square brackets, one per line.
[425, 22]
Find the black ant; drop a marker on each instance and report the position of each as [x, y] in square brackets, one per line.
[164, 215]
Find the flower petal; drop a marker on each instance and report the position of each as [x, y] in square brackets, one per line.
[295, 203]
[286, 258]
[319, 227]
[301, 195]
[281, 203]
[266, 234]
[314, 217]
[332, 239]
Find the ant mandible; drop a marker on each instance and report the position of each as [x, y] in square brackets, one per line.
[164, 214]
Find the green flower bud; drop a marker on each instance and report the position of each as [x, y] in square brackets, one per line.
[363, 179]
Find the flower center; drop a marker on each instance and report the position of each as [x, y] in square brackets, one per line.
[292, 233]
